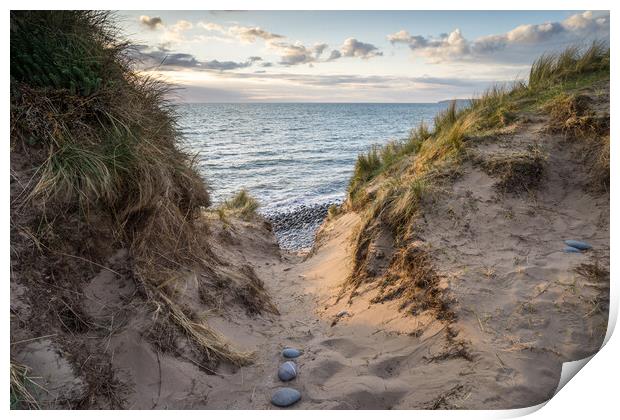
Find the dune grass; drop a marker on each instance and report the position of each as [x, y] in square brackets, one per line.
[105, 147]
[497, 107]
[386, 192]
[572, 62]
[242, 204]
[22, 388]
[334, 211]
[570, 114]
[517, 172]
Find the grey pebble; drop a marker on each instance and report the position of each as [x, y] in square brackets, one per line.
[577, 244]
[287, 371]
[291, 353]
[570, 249]
[285, 397]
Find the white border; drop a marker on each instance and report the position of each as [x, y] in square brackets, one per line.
[592, 395]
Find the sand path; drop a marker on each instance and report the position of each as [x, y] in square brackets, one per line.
[521, 309]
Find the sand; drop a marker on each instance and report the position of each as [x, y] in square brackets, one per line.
[520, 308]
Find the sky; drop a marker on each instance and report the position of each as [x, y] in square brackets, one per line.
[348, 56]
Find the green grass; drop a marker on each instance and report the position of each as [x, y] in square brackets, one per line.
[570, 64]
[333, 211]
[22, 388]
[104, 147]
[379, 159]
[390, 182]
[66, 58]
[551, 76]
[241, 204]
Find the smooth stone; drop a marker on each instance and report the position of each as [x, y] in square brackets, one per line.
[291, 353]
[570, 249]
[287, 371]
[578, 244]
[284, 397]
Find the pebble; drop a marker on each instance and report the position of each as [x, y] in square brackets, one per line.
[295, 228]
[291, 353]
[284, 397]
[570, 249]
[287, 371]
[578, 244]
[342, 313]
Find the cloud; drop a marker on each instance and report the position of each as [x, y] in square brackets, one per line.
[152, 23]
[291, 53]
[374, 81]
[255, 86]
[164, 59]
[182, 25]
[210, 26]
[586, 21]
[354, 48]
[444, 46]
[297, 53]
[249, 34]
[319, 48]
[351, 47]
[454, 45]
[224, 65]
[334, 55]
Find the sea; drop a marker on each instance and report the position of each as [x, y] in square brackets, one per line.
[289, 155]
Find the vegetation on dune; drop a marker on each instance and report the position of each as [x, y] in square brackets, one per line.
[22, 388]
[571, 114]
[333, 211]
[99, 146]
[517, 172]
[241, 204]
[390, 183]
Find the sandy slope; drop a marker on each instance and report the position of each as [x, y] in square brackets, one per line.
[520, 308]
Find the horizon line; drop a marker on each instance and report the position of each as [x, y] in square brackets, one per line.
[315, 102]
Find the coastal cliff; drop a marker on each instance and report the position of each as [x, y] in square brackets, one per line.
[441, 281]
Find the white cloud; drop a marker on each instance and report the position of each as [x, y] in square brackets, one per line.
[182, 25]
[455, 46]
[297, 53]
[249, 34]
[210, 26]
[354, 48]
[152, 23]
[246, 34]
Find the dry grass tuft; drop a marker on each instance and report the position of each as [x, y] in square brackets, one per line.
[213, 344]
[223, 285]
[572, 115]
[517, 172]
[593, 272]
[333, 211]
[413, 280]
[391, 183]
[241, 204]
[103, 149]
[22, 388]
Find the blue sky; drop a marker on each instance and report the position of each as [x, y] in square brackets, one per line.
[348, 56]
